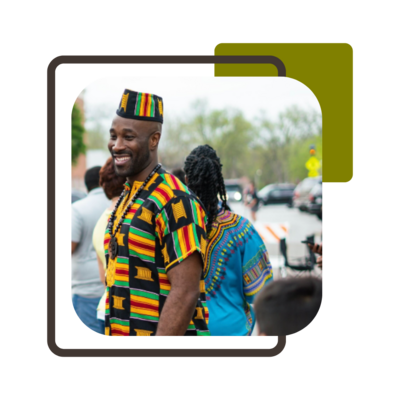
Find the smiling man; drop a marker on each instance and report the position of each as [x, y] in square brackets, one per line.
[155, 240]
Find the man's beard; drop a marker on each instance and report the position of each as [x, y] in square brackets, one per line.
[136, 165]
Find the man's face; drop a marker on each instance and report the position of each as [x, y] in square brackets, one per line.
[130, 145]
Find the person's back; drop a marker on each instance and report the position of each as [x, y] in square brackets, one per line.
[237, 267]
[86, 285]
[237, 264]
[85, 214]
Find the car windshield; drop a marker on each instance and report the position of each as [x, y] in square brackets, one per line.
[233, 188]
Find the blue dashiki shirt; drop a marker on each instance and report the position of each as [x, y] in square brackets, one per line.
[237, 267]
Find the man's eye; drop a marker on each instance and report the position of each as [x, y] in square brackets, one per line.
[129, 137]
[113, 138]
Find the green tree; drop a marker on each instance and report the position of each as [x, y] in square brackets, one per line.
[227, 131]
[265, 150]
[285, 144]
[233, 139]
[78, 145]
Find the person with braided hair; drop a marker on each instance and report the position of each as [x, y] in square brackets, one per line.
[236, 263]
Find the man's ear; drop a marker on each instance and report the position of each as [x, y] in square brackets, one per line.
[154, 139]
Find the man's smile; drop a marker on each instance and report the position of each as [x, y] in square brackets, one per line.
[122, 159]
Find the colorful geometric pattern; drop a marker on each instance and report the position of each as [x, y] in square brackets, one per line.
[179, 211]
[164, 227]
[144, 105]
[124, 101]
[141, 244]
[160, 106]
[165, 285]
[236, 268]
[256, 272]
[186, 242]
[146, 215]
[144, 305]
[119, 327]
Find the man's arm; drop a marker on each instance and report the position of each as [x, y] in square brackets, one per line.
[77, 228]
[181, 302]
[74, 245]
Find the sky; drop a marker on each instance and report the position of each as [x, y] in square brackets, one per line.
[272, 95]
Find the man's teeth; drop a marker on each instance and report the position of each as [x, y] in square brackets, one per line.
[122, 158]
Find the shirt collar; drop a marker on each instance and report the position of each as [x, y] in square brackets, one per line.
[136, 185]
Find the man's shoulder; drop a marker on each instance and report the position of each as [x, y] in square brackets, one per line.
[169, 190]
[174, 183]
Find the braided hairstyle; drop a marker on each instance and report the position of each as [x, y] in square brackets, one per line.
[203, 170]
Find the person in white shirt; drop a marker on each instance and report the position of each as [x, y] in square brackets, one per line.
[87, 287]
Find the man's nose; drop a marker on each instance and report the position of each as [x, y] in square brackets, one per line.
[119, 145]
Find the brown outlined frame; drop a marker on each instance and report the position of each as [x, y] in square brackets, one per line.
[51, 239]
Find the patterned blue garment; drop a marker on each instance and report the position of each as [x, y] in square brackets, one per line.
[237, 267]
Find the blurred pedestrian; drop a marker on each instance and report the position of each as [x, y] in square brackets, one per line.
[251, 200]
[287, 305]
[87, 287]
[155, 240]
[237, 265]
[112, 185]
[317, 249]
[178, 172]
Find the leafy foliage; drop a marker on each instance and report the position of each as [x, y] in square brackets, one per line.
[78, 145]
[269, 151]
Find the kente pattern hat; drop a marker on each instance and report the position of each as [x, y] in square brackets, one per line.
[144, 106]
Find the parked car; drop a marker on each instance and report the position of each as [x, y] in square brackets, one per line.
[277, 193]
[315, 200]
[302, 191]
[234, 190]
[77, 195]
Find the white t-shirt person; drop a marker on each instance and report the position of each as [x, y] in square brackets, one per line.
[85, 271]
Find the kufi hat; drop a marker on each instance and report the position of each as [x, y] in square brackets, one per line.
[144, 106]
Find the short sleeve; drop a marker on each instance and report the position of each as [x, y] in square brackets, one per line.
[76, 225]
[257, 269]
[181, 230]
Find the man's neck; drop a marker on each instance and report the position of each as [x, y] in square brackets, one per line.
[141, 176]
